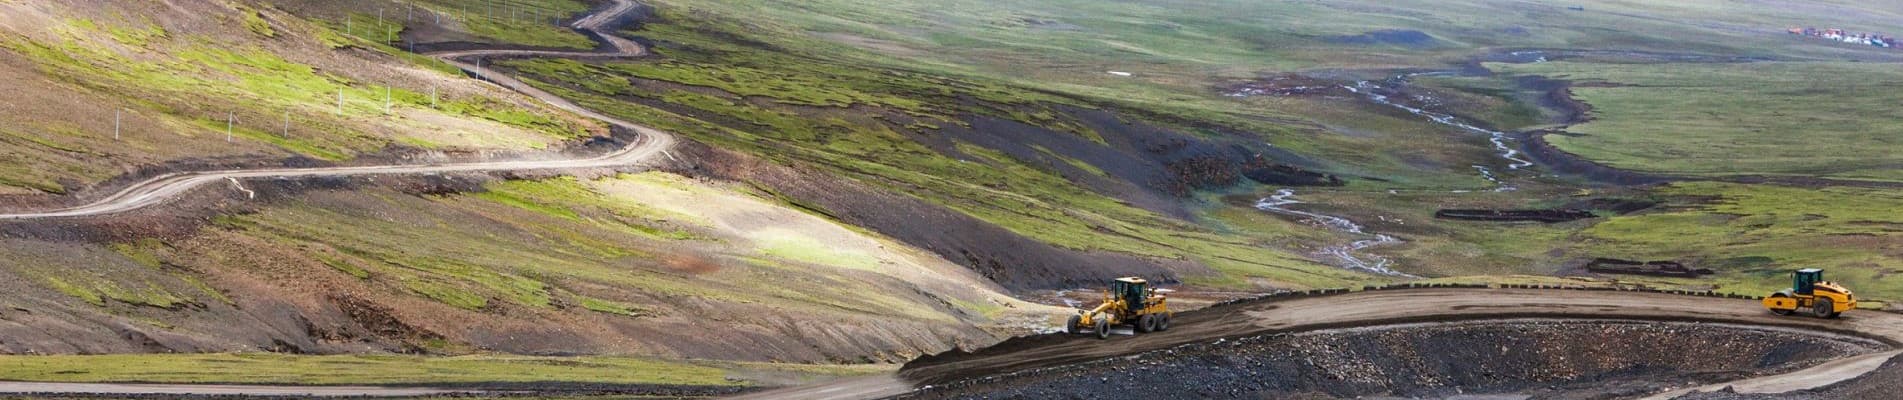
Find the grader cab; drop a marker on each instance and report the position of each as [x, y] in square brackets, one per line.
[1129, 301]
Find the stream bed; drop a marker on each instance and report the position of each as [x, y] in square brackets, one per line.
[1351, 255]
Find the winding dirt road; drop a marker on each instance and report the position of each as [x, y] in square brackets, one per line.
[1248, 319]
[648, 144]
[1381, 307]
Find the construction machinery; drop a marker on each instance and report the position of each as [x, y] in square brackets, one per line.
[1129, 301]
[1809, 291]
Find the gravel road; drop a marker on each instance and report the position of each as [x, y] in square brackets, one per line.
[1372, 308]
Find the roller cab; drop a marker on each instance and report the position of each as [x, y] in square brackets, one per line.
[1810, 293]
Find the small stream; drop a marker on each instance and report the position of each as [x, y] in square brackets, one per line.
[1514, 159]
[1352, 254]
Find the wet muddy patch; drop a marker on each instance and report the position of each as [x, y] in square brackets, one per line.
[1408, 38]
[1288, 85]
[1649, 268]
[1541, 216]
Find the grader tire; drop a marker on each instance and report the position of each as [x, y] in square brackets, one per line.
[1146, 323]
[1070, 326]
[1162, 322]
[1103, 328]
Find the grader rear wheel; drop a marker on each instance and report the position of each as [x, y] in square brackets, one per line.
[1146, 323]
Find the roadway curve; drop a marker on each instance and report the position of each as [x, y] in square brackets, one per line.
[648, 144]
[1375, 308]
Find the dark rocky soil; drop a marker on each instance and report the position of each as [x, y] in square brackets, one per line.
[1546, 216]
[1535, 358]
[1396, 37]
[1653, 268]
[1883, 384]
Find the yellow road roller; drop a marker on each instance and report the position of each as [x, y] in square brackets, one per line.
[1128, 301]
[1809, 291]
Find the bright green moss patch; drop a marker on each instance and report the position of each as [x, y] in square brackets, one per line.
[136, 37]
[96, 292]
[524, 195]
[343, 265]
[521, 290]
[301, 146]
[559, 197]
[793, 246]
[207, 289]
[76, 291]
[141, 252]
[526, 22]
[611, 307]
[447, 293]
[44, 141]
[257, 25]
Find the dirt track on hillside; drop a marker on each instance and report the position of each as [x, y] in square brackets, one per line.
[1369, 308]
[647, 146]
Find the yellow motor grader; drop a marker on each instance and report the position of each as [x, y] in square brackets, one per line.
[1128, 301]
[1809, 291]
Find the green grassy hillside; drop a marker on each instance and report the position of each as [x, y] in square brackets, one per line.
[655, 269]
[1827, 119]
[169, 80]
[868, 181]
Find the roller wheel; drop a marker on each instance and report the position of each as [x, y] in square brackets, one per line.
[1823, 309]
[1070, 326]
[1146, 323]
[1162, 322]
[1780, 295]
[1103, 328]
